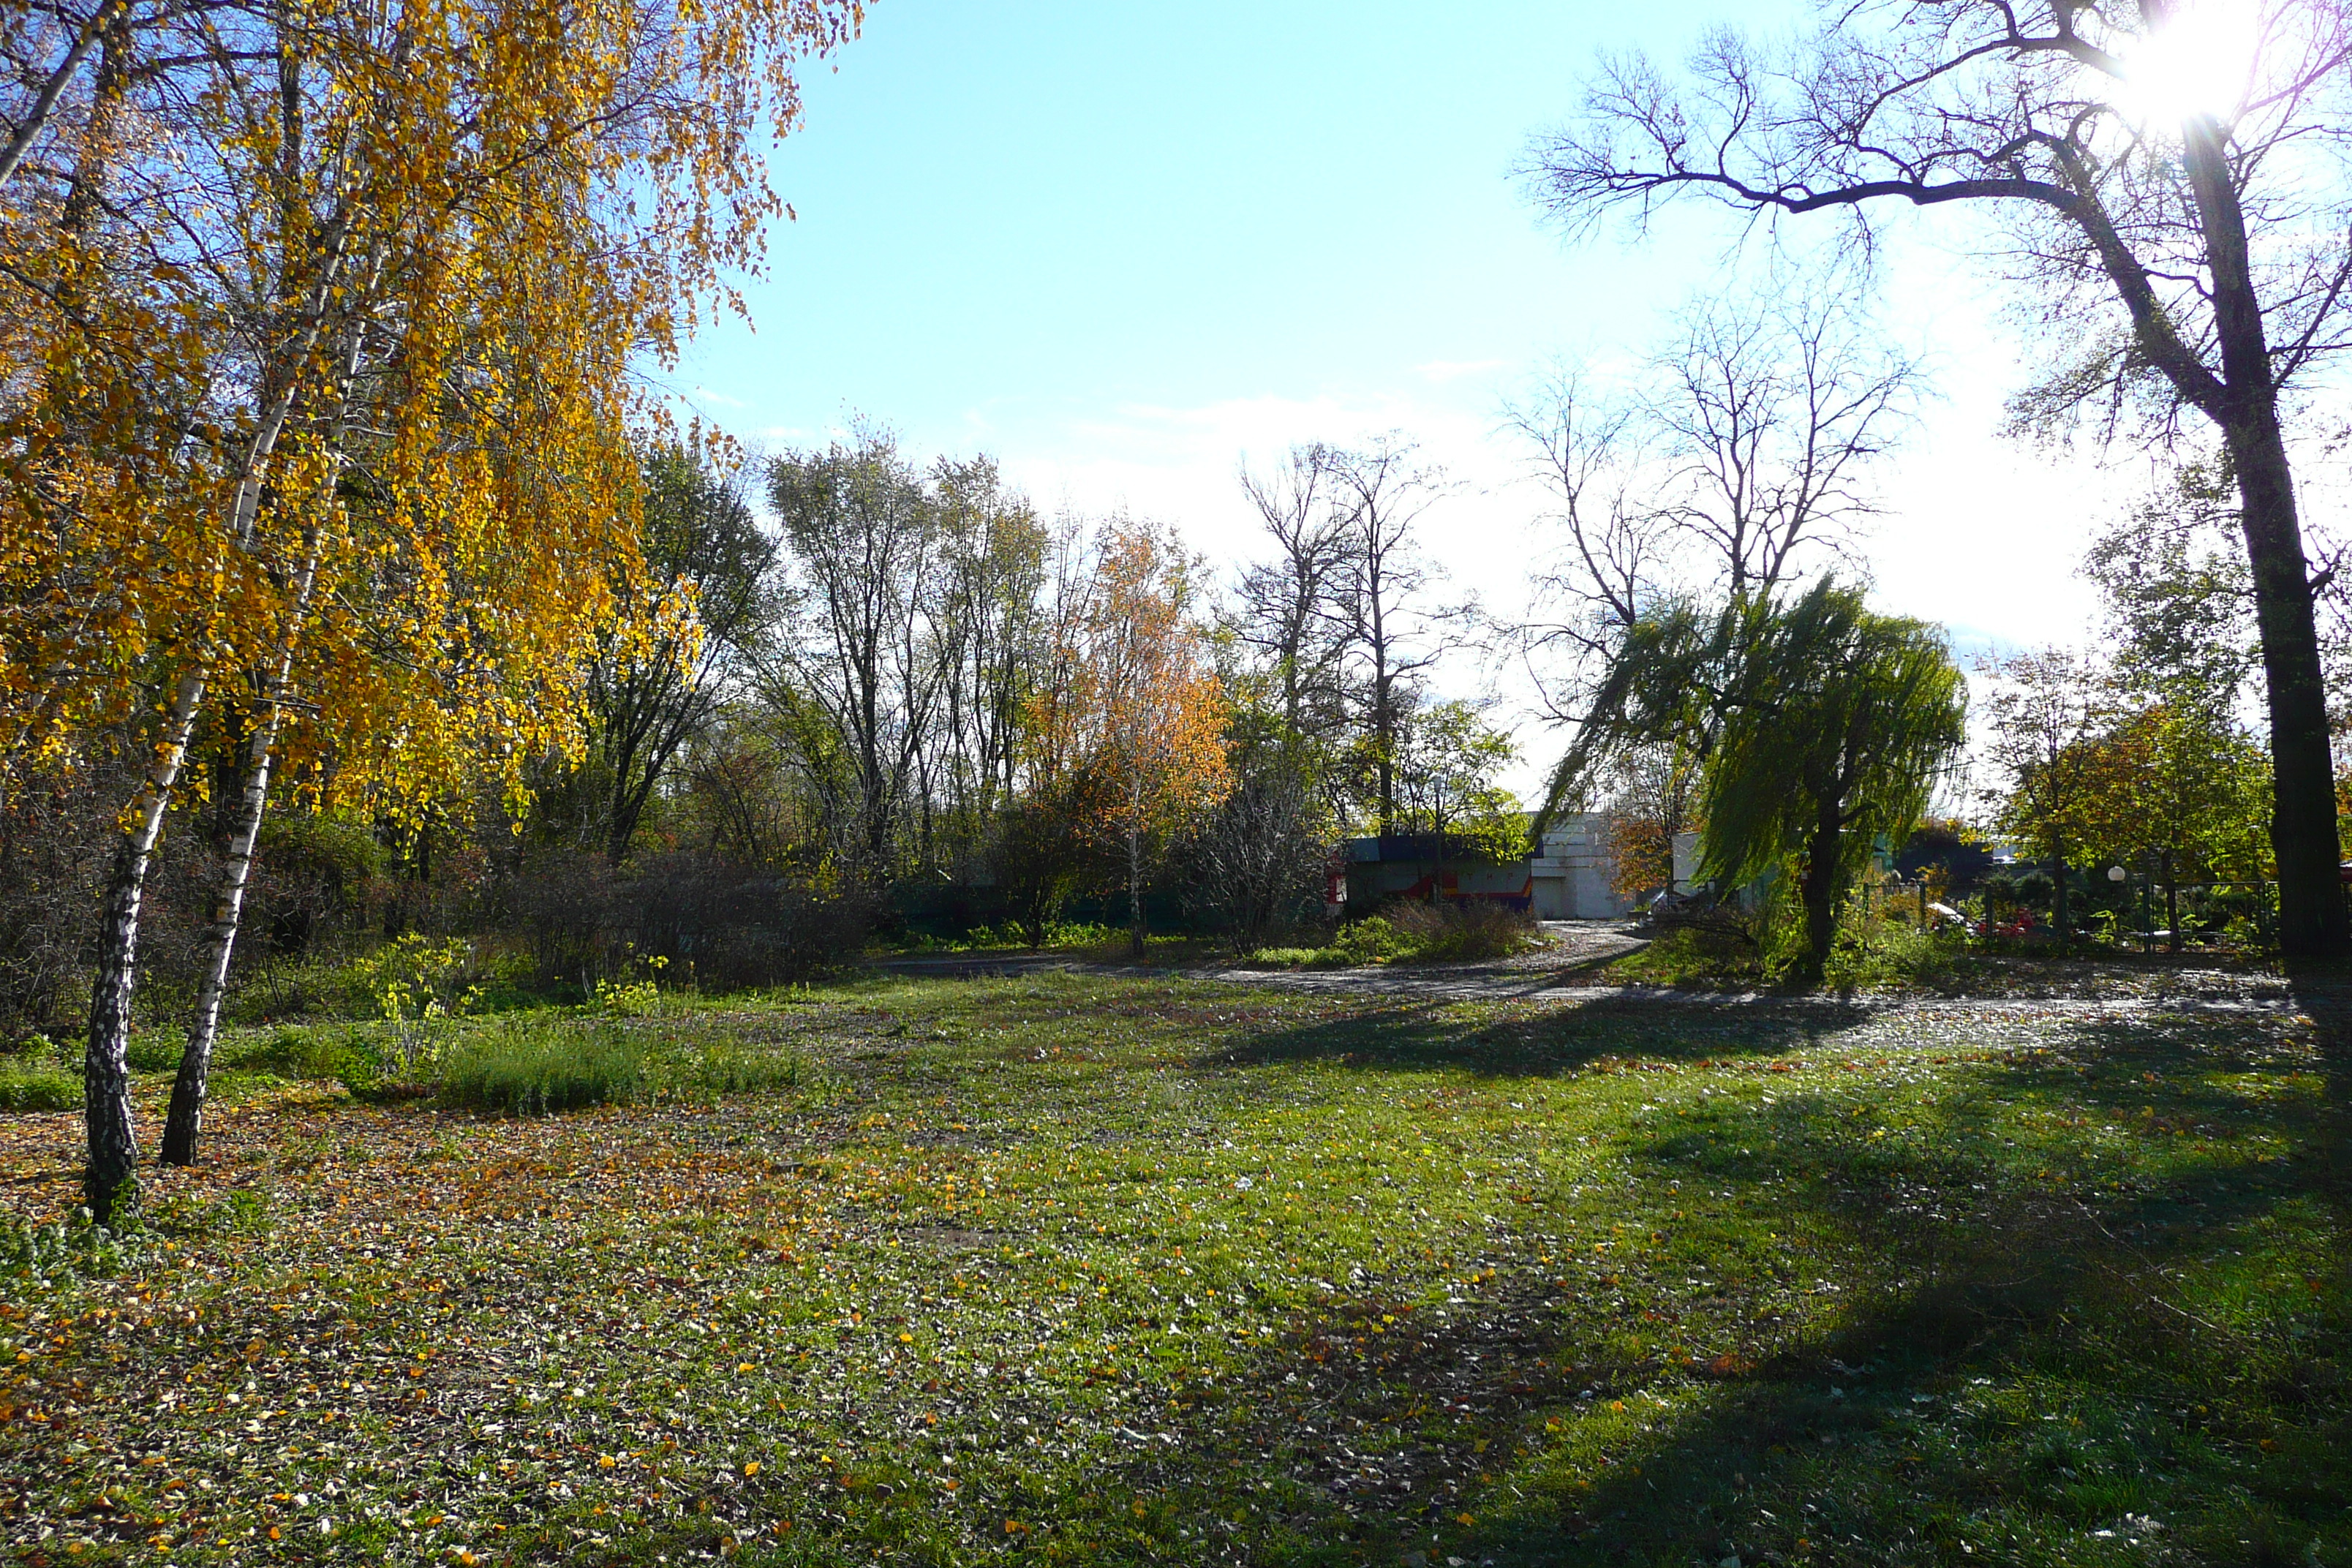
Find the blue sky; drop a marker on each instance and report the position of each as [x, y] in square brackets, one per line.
[1123, 246]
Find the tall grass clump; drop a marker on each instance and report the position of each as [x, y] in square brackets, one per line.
[532, 1069]
[727, 1067]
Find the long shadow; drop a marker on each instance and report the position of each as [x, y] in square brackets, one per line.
[1417, 1035]
[2017, 1366]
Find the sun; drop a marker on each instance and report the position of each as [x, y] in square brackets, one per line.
[2199, 61]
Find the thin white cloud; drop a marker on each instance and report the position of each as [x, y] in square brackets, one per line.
[719, 398]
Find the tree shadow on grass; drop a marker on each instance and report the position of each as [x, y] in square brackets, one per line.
[1420, 1035]
[2048, 1326]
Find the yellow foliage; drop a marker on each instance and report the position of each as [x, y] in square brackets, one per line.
[328, 410]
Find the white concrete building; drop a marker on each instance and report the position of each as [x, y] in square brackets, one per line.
[1574, 876]
[1574, 869]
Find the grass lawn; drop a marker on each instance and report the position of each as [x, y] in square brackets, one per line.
[1121, 1270]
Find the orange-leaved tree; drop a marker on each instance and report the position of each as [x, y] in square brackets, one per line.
[1132, 707]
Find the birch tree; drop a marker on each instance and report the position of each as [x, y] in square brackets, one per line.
[464, 222]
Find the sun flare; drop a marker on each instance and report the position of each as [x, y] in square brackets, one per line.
[2202, 60]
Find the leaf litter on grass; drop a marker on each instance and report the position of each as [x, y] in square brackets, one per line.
[1138, 1270]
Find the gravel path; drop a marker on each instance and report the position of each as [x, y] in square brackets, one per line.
[1568, 969]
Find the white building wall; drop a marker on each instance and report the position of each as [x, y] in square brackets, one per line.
[1572, 875]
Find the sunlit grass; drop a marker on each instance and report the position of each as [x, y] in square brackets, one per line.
[1137, 1271]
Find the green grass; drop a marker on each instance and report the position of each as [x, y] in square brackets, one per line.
[1071, 1269]
[531, 1068]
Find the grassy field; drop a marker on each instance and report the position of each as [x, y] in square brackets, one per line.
[1116, 1270]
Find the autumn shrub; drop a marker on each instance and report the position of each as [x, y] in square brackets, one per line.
[535, 1068]
[1461, 931]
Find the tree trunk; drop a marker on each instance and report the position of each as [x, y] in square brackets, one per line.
[1820, 893]
[2303, 813]
[184, 1121]
[2303, 816]
[2171, 907]
[1134, 875]
[109, 1182]
[2058, 910]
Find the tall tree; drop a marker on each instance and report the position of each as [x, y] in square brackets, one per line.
[2169, 171]
[681, 630]
[1143, 716]
[992, 624]
[2179, 786]
[2179, 601]
[863, 536]
[1396, 635]
[1448, 760]
[1295, 612]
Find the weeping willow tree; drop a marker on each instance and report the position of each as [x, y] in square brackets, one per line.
[1818, 726]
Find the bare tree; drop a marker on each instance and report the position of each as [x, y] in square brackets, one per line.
[1295, 611]
[863, 536]
[1395, 633]
[1588, 450]
[1772, 407]
[2176, 195]
[1258, 857]
[991, 628]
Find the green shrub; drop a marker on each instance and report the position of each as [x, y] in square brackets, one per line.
[33, 1087]
[155, 1050]
[241, 1211]
[1284, 957]
[1372, 940]
[524, 1069]
[299, 1052]
[1061, 936]
[1894, 956]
